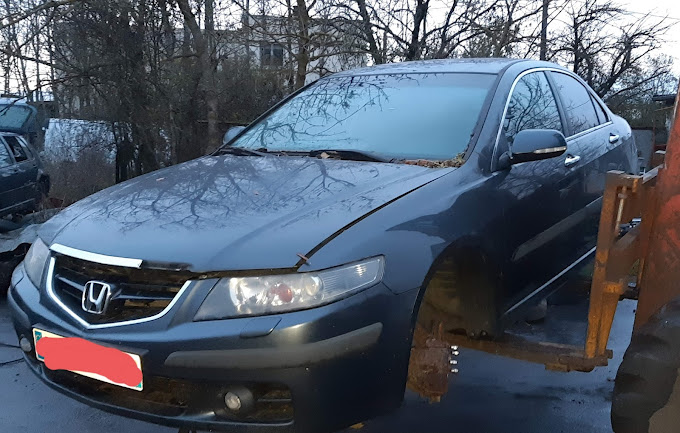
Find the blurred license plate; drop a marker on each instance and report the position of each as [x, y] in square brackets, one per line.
[88, 359]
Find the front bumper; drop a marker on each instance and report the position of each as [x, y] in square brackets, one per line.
[316, 370]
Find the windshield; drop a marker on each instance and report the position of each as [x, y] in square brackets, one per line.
[404, 116]
[13, 117]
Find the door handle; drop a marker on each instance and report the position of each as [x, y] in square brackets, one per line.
[613, 138]
[571, 160]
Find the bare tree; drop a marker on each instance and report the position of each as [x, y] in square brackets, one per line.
[169, 76]
[605, 55]
[425, 29]
[501, 30]
[204, 47]
[23, 37]
[311, 33]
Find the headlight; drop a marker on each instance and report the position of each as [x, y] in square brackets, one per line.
[254, 296]
[35, 261]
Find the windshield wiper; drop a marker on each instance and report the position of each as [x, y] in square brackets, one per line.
[239, 151]
[354, 155]
[8, 106]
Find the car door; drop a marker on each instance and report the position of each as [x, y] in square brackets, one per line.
[594, 142]
[7, 181]
[545, 195]
[26, 170]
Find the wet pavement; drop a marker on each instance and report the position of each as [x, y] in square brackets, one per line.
[490, 394]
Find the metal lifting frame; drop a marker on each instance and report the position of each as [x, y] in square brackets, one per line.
[649, 251]
[626, 198]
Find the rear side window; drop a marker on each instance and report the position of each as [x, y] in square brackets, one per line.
[5, 158]
[16, 148]
[532, 106]
[578, 105]
[601, 115]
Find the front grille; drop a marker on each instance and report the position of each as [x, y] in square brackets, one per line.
[135, 293]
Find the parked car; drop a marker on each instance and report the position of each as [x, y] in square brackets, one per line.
[23, 180]
[275, 284]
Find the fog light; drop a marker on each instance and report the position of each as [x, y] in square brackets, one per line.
[26, 345]
[239, 399]
[232, 401]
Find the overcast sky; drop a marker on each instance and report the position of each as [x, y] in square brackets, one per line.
[670, 8]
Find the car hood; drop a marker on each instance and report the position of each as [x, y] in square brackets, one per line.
[232, 212]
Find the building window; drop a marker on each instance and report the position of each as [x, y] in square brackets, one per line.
[271, 54]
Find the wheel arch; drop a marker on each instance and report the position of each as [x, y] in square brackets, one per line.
[472, 263]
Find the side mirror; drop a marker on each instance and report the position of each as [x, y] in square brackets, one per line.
[534, 145]
[231, 133]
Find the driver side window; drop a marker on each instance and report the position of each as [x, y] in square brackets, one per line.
[5, 158]
[16, 148]
[532, 106]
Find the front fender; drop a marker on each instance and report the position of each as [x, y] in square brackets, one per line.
[415, 230]
[417, 234]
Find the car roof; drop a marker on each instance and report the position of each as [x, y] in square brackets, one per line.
[468, 65]
[13, 100]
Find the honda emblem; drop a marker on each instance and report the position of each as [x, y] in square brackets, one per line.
[96, 297]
